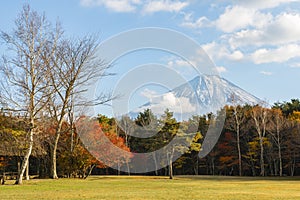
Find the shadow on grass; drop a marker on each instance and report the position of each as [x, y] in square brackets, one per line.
[134, 177]
[237, 178]
[197, 177]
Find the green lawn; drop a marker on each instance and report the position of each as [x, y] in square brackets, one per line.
[144, 187]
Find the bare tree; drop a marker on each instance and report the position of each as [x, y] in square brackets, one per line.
[259, 115]
[239, 119]
[278, 125]
[74, 66]
[24, 71]
[127, 126]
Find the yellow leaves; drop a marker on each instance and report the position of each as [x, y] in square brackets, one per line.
[195, 146]
[295, 116]
[13, 132]
[254, 145]
[197, 137]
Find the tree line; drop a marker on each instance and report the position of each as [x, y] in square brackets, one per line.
[44, 78]
[255, 141]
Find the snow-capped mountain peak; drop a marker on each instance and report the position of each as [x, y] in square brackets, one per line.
[203, 94]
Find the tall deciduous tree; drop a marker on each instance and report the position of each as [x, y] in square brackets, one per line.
[24, 86]
[259, 115]
[73, 67]
[235, 118]
[278, 124]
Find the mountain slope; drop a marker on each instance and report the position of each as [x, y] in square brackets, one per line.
[201, 95]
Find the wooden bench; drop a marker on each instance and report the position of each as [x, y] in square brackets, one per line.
[8, 176]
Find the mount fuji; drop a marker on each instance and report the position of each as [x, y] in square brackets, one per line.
[201, 95]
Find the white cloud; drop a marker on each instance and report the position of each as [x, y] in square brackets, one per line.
[180, 63]
[145, 6]
[295, 65]
[221, 69]
[262, 4]
[283, 29]
[220, 51]
[281, 54]
[238, 17]
[183, 68]
[247, 28]
[158, 104]
[266, 73]
[234, 18]
[164, 5]
[201, 22]
[113, 5]
[235, 55]
[149, 94]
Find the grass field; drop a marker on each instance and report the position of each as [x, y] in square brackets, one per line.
[144, 187]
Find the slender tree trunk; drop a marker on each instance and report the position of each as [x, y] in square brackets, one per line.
[27, 171]
[90, 171]
[127, 144]
[71, 119]
[237, 121]
[171, 165]
[253, 169]
[279, 146]
[262, 161]
[239, 151]
[170, 169]
[19, 166]
[54, 153]
[259, 115]
[292, 164]
[155, 163]
[213, 166]
[196, 167]
[27, 155]
[72, 138]
[280, 160]
[128, 167]
[53, 168]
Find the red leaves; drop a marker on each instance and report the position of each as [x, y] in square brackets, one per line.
[107, 147]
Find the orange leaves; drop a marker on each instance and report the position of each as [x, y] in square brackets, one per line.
[107, 147]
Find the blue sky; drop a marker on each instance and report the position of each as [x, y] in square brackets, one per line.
[254, 44]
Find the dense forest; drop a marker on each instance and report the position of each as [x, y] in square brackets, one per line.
[255, 141]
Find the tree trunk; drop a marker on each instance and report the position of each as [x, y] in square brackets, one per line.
[239, 152]
[196, 168]
[280, 160]
[253, 169]
[90, 171]
[171, 165]
[213, 166]
[53, 167]
[237, 121]
[259, 115]
[292, 168]
[26, 157]
[170, 169]
[155, 163]
[128, 167]
[279, 147]
[262, 161]
[57, 136]
[19, 166]
[27, 171]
